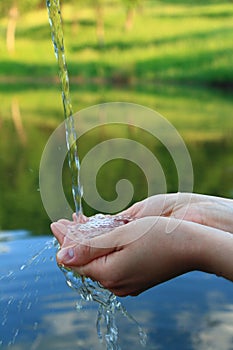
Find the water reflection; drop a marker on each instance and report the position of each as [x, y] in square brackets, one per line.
[217, 330]
[214, 330]
[19, 165]
[37, 309]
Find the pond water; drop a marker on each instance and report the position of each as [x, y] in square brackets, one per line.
[19, 169]
[37, 309]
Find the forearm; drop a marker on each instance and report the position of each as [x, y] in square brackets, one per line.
[213, 251]
[178, 247]
[219, 259]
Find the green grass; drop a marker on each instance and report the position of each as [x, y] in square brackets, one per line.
[177, 59]
[178, 42]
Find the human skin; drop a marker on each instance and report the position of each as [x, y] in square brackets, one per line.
[169, 236]
[206, 210]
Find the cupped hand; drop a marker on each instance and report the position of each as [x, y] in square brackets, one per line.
[131, 258]
[169, 235]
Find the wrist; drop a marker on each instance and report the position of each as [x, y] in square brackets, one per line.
[213, 251]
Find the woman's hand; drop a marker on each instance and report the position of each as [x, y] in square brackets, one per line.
[131, 258]
[142, 254]
[206, 210]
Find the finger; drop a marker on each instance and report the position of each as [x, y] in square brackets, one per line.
[102, 270]
[64, 222]
[152, 206]
[74, 217]
[81, 219]
[132, 211]
[59, 230]
[158, 205]
[82, 252]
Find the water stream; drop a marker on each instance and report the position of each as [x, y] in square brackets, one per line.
[55, 22]
[90, 290]
[87, 289]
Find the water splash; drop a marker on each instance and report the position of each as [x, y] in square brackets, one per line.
[18, 301]
[86, 289]
[109, 306]
[35, 258]
[90, 290]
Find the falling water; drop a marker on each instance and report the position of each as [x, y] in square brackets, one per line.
[55, 21]
[90, 290]
[87, 289]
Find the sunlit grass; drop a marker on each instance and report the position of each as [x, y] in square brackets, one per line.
[179, 42]
[171, 61]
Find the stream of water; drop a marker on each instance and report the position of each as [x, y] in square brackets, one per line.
[55, 22]
[87, 289]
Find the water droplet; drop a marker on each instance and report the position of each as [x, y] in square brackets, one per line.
[142, 336]
[10, 300]
[37, 278]
[79, 305]
[69, 284]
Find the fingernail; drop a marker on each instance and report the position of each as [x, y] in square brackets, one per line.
[65, 255]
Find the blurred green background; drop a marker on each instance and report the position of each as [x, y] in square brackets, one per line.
[172, 56]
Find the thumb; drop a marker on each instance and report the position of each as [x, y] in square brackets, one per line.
[83, 252]
[79, 254]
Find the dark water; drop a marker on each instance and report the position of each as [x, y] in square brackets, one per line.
[37, 309]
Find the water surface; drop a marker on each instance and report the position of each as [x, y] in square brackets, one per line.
[37, 309]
